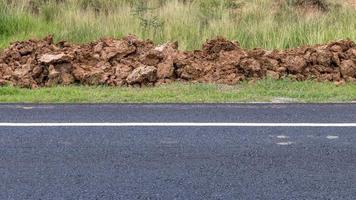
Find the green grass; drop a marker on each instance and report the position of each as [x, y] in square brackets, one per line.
[254, 23]
[260, 91]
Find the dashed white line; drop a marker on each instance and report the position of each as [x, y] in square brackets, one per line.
[332, 137]
[282, 137]
[284, 143]
[176, 124]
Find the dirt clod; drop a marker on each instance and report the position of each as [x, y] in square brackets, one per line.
[52, 59]
[143, 75]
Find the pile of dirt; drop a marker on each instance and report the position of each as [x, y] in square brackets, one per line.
[133, 62]
[321, 5]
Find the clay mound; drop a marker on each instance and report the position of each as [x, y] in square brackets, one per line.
[133, 62]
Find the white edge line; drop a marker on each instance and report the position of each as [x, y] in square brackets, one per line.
[177, 124]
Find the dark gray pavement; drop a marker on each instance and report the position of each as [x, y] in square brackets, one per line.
[331, 113]
[178, 162]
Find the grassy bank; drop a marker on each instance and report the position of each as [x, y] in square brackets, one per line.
[260, 91]
[254, 23]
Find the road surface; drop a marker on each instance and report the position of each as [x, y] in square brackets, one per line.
[66, 158]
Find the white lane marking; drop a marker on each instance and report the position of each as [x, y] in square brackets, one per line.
[332, 137]
[176, 124]
[282, 137]
[284, 143]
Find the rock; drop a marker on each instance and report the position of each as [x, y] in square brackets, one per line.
[168, 47]
[295, 64]
[152, 58]
[60, 75]
[36, 71]
[22, 71]
[26, 50]
[348, 69]
[352, 53]
[53, 76]
[281, 69]
[336, 48]
[3, 82]
[272, 74]
[192, 71]
[115, 49]
[54, 58]
[5, 72]
[98, 47]
[121, 72]
[165, 69]
[67, 79]
[250, 65]
[142, 74]
[89, 75]
[3, 67]
[324, 58]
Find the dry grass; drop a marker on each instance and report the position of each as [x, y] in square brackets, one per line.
[254, 23]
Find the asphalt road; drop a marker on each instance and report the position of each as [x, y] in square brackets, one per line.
[178, 162]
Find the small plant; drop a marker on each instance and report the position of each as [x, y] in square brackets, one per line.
[148, 21]
[214, 10]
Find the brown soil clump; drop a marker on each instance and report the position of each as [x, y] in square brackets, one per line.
[133, 62]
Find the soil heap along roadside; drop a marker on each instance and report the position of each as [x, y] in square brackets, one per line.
[133, 62]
